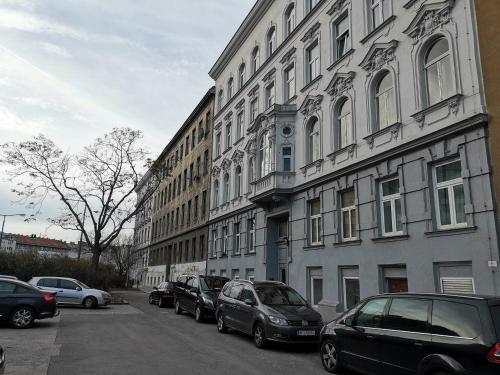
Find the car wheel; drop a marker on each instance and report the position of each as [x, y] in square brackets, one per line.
[22, 317]
[161, 302]
[151, 300]
[221, 325]
[198, 316]
[330, 356]
[259, 336]
[177, 308]
[89, 302]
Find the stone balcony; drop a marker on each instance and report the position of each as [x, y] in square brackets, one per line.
[272, 187]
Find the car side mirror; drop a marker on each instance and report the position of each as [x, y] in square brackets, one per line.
[79, 288]
[195, 290]
[349, 321]
[155, 288]
[249, 302]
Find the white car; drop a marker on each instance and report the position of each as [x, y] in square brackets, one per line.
[72, 292]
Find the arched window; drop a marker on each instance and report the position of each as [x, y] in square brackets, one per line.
[216, 193]
[385, 102]
[271, 41]
[289, 19]
[225, 194]
[220, 99]
[438, 72]
[251, 170]
[241, 75]
[264, 155]
[344, 124]
[230, 88]
[313, 140]
[255, 59]
[237, 181]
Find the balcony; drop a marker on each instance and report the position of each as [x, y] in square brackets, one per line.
[273, 187]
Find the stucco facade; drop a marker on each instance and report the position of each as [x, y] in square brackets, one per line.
[363, 163]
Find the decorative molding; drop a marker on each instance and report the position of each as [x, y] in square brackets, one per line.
[216, 171]
[409, 4]
[226, 164]
[378, 55]
[218, 126]
[239, 104]
[429, 18]
[311, 32]
[269, 75]
[453, 104]
[340, 83]
[348, 149]
[316, 164]
[228, 115]
[393, 129]
[237, 157]
[253, 91]
[336, 8]
[288, 56]
[311, 104]
[250, 147]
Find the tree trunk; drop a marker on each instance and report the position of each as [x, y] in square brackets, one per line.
[96, 255]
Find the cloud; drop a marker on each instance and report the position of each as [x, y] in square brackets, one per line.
[55, 50]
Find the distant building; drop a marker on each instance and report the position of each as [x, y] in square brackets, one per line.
[8, 242]
[45, 246]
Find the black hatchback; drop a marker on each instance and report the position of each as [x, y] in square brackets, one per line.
[425, 334]
[163, 294]
[269, 311]
[22, 303]
[197, 294]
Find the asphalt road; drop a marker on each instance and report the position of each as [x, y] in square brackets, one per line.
[142, 339]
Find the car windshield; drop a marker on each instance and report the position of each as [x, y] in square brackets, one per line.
[211, 284]
[495, 313]
[82, 285]
[279, 295]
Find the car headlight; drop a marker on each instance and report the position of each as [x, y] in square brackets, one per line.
[278, 321]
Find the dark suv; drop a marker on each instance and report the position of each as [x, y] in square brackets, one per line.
[163, 294]
[424, 334]
[197, 295]
[269, 311]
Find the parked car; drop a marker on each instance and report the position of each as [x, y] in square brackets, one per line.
[269, 311]
[2, 360]
[8, 277]
[163, 294]
[72, 292]
[22, 303]
[197, 295]
[425, 334]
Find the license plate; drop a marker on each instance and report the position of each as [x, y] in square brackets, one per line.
[306, 333]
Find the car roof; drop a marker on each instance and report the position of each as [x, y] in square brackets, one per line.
[18, 282]
[260, 283]
[54, 277]
[476, 297]
[8, 277]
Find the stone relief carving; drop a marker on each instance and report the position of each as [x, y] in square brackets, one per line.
[288, 56]
[336, 8]
[340, 83]
[379, 55]
[226, 164]
[311, 32]
[215, 171]
[311, 105]
[429, 18]
[237, 157]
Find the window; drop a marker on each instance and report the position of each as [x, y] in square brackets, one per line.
[191, 174]
[408, 314]
[216, 193]
[370, 315]
[287, 159]
[315, 221]
[312, 61]
[270, 95]
[457, 285]
[313, 141]
[217, 144]
[67, 284]
[385, 102]
[228, 135]
[205, 161]
[465, 323]
[237, 238]
[391, 208]
[184, 180]
[342, 38]
[449, 195]
[349, 231]
[193, 138]
[8, 288]
[225, 240]
[250, 274]
[198, 167]
[187, 145]
[254, 109]
[181, 153]
[310, 4]
[251, 235]
[235, 275]
[250, 169]
[237, 182]
[283, 228]
[241, 75]
[189, 212]
[240, 119]
[344, 118]
[255, 60]
[220, 99]
[203, 202]
[379, 12]
[438, 72]
[271, 41]
[225, 194]
[264, 155]
[230, 85]
[351, 292]
[214, 243]
[290, 20]
[316, 289]
[290, 82]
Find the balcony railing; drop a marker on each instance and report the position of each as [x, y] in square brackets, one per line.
[275, 184]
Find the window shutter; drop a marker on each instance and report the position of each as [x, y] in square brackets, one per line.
[457, 285]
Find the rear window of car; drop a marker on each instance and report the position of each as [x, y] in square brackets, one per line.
[23, 289]
[455, 319]
[48, 283]
[408, 314]
[495, 314]
[6, 287]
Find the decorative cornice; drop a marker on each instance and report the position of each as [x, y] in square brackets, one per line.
[336, 7]
[250, 146]
[253, 91]
[237, 157]
[215, 171]
[288, 56]
[452, 103]
[226, 164]
[316, 164]
[429, 18]
[228, 115]
[269, 75]
[393, 129]
[218, 125]
[349, 149]
[378, 55]
[340, 83]
[311, 104]
[240, 104]
[311, 32]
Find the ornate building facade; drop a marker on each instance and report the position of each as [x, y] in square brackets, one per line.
[350, 150]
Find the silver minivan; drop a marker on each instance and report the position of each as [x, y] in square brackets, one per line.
[72, 292]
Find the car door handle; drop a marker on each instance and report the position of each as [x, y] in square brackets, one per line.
[370, 337]
[61, 290]
[419, 344]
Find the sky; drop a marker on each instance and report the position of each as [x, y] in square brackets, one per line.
[74, 69]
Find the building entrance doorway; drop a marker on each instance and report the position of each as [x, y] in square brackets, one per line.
[277, 250]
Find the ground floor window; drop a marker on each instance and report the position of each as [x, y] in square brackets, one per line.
[315, 285]
[250, 274]
[455, 278]
[235, 274]
[351, 291]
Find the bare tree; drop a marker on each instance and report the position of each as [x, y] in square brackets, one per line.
[101, 180]
[123, 256]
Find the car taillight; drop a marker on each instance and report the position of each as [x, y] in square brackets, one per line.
[49, 297]
[494, 354]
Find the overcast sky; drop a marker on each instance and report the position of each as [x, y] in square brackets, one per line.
[73, 69]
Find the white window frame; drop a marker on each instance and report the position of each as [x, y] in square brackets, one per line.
[392, 199]
[345, 129]
[311, 281]
[216, 193]
[313, 63]
[229, 126]
[237, 181]
[225, 240]
[314, 141]
[271, 41]
[344, 286]
[241, 75]
[230, 87]
[450, 184]
[350, 210]
[218, 137]
[270, 94]
[439, 62]
[226, 188]
[220, 99]
[290, 19]
[337, 37]
[287, 157]
[251, 235]
[379, 13]
[318, 219]
[255, 59]
[213, 250]
[240, 123]
[290, 82]
[237, 238]
[254, 109]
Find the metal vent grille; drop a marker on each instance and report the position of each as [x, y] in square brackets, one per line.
[457, 285]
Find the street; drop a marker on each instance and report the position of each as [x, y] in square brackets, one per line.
[143, 339]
